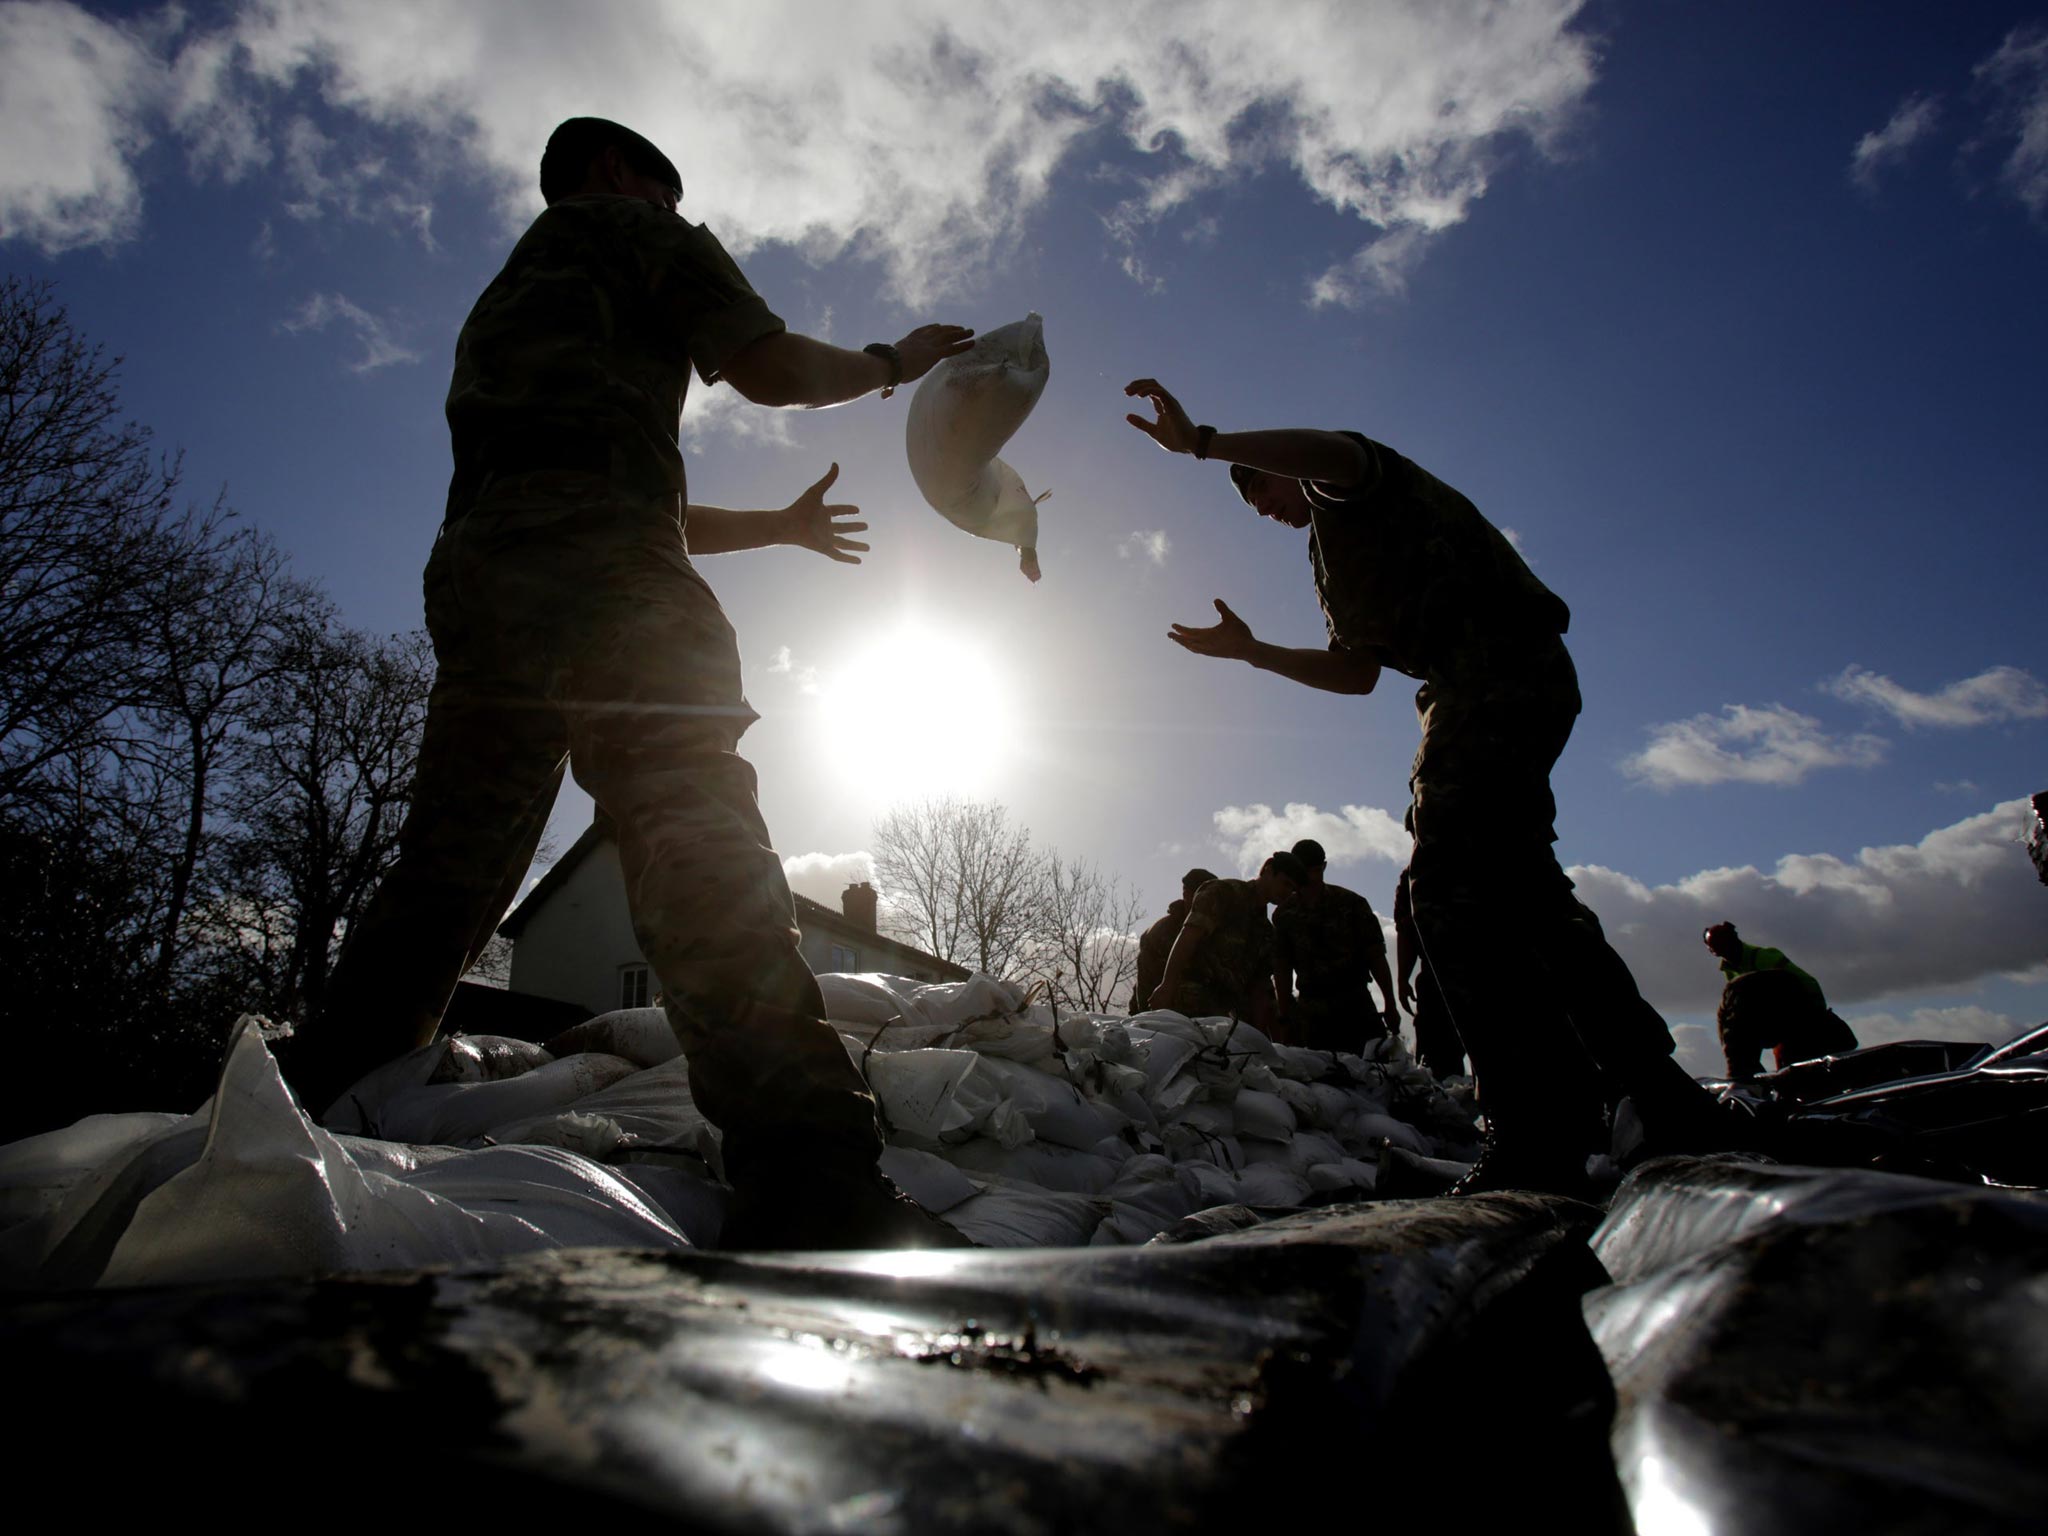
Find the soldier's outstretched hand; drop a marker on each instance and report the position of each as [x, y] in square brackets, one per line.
[1173, 431]
[1229, 637]
[813, 524]
[929, 345]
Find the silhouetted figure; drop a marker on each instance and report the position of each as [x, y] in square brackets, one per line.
[571, 627]
[1222, 962]
[2037, 836]
[1328, 947]
[1410, 576]
[1156, 942]
[1770, 1002]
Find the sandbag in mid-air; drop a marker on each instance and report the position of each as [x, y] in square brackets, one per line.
[963, 413]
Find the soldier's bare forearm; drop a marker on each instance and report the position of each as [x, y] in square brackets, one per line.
[1300, 453]
[788, 368]
[724, 530]
[1331, 671]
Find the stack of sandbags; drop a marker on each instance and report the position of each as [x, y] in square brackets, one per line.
[1022, 1126]
[248, 1188]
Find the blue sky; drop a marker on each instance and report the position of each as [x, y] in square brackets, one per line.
[1733, 314]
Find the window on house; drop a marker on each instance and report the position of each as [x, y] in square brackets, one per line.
[844, 959]
[634, 984]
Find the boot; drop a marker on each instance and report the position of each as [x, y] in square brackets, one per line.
[1549, 1167]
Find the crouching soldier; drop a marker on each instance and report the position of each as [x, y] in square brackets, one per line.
[1222, 962]
[1769, 1001]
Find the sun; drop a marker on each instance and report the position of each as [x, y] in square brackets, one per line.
[917, 712]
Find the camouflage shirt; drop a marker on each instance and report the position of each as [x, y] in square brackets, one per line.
[1154, 945]
[1329, 939]
[1408, 572]
[1232, 965]
[578, 354]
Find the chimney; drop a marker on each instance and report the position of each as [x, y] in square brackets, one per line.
[859, 902]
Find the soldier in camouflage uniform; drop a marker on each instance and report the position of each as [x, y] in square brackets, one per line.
[1222, 962]
[1327, 944]
[1156, 942]
[1410, 576]
[571, 627]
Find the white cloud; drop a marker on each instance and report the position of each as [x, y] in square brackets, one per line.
[1913, 121]
[1382, 266]
[824, 877]
[1968, 1022]
[784, 664]
[919, 133]
[1746, 744]
[1993, 695]
[380, 348]
[2017, 77]
[1959, 906]
[1146, 544]
[77, 96]
[1349, 834]
[719, 410]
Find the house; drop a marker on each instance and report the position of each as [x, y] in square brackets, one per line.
[572, 939]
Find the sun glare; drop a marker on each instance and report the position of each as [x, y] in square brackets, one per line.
[917, 712]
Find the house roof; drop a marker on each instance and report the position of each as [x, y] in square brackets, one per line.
[814, 914]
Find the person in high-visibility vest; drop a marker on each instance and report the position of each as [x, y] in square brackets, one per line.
[1769, 1001]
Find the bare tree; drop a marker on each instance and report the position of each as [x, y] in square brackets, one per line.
[962, 880]
[1086, 949]
[335, 733]
[87, 540]
[915, 866]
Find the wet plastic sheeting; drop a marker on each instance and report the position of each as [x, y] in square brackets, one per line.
[1359, 1354]
[1800, 1349]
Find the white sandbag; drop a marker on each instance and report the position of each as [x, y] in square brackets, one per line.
[694, 1203]
[653, 1108]
[642, 1036]
[467, 1112]
[1365, 1127]
[487, 1059]
[37, 1172]
[1263, 1115]
[870, 997]
[68, 1244]
[1345, 1176]
[1019, 1216]
[396, 1159]
[965, 409]
[928, 1179]
[1149, 1195]
[1270, 1184]
[1038, 1162]
[1057, 1111]
[272, 1194]
[917, 1089]
[572, 1130]
[572, 1201]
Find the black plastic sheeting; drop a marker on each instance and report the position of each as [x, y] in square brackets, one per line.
[1965, 1112]
[1807, 1349]
[1422, 1361]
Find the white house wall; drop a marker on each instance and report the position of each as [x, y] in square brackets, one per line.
[573, 945]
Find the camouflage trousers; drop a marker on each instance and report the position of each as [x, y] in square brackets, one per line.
[1545, 1008]
[571, 628]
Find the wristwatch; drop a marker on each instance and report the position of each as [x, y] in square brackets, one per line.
[893, 358]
